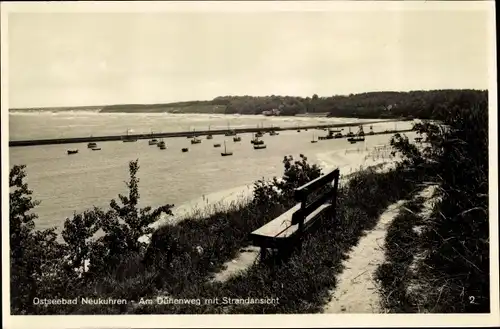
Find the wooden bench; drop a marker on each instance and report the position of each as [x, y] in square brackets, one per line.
[285, 232]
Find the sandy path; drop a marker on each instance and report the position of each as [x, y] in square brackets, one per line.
[246, 257]
[356, 290]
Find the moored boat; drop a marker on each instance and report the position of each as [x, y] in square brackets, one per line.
[350, 133]
[230, 132]
[185, 149]
[256, 140]
[195, 139]
[152, 141]
[217, 145]
[96, 149]
[72, 151]
[92, 145]
[209, 136]
[128, 138]
[236, 139]
[162, 145]
[360, 131]
[353, 140]
[226, 153]
[259, 147]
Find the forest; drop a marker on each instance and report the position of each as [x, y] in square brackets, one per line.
[432, 104]
[421, 104]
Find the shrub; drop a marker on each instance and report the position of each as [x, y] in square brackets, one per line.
[41, 266]
[34, 255]
[280, 191]
[456, 157]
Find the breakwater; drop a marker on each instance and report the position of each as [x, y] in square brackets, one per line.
[87, 139]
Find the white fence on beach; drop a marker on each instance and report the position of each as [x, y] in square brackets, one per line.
[374, 153]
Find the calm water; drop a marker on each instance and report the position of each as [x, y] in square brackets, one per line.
[65, 184]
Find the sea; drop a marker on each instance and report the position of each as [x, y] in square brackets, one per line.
[65, 184]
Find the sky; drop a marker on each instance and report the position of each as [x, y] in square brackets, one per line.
[97, 58]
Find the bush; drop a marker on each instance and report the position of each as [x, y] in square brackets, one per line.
[455, 156]
[34, 255]
[125, 223]
[41, 266]
[280, 191]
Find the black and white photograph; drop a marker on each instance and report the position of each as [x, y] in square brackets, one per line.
[317, 158]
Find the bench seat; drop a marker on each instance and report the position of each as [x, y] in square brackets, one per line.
[280, 230]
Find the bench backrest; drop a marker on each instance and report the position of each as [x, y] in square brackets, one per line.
[302, 194]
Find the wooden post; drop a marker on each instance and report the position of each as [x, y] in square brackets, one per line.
[263, 252]
[303, 203]
[335, 190]
[336, 182]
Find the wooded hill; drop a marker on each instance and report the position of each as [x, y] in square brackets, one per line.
[433, 104]
[418, 104]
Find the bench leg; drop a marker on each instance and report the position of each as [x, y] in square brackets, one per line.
[263, 253]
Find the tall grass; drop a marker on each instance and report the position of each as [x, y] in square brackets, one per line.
[182, 258]
[455, 270]
[301, 284]
[402, 245]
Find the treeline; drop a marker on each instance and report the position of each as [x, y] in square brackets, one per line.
[451, 273]
[432, 104]
[417, 104]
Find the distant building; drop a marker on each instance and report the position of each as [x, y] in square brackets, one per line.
[272, 112]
